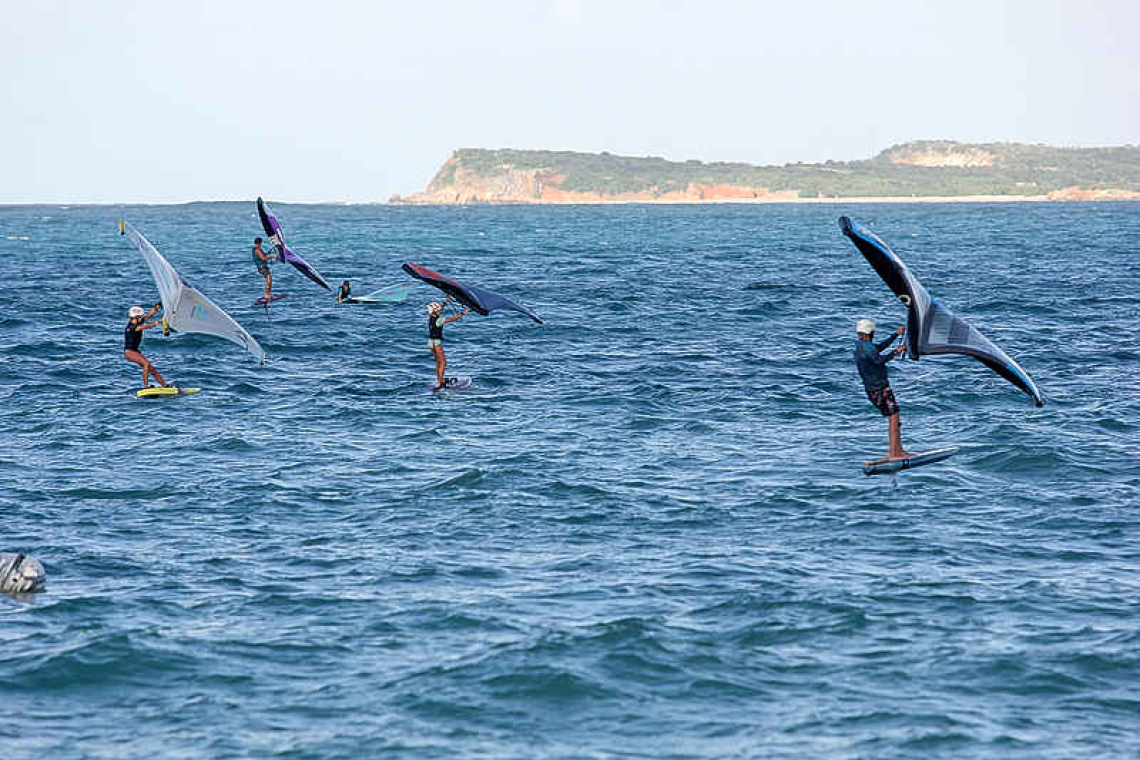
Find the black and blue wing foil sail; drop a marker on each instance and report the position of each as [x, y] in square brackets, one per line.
[273, 229]
[931, 327]
[477, 299]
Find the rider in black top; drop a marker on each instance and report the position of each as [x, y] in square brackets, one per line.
[435, 328]
[345, 292]
[132, 338]
[436, 321]
[132, 334]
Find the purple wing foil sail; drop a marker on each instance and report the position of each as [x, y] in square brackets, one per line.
[477, 299]
[273, 229]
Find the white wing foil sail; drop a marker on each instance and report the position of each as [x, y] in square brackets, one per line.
[186, 309]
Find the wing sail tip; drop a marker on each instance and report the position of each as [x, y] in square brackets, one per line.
[1026, 383]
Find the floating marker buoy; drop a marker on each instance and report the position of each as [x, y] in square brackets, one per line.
[21, 574]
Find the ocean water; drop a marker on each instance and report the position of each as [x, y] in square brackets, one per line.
[641, 532]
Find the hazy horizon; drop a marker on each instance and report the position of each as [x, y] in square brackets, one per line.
[130, 102]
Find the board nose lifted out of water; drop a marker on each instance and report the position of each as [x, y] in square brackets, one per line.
[890, 467]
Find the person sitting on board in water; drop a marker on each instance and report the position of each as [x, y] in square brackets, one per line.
[344, 293]
[132, 336]
[262, 259]
[872, 364]
[436, 321]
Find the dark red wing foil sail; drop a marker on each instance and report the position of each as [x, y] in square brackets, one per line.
[477, 299]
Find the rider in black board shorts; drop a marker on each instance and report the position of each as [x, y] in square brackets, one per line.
[872, 366]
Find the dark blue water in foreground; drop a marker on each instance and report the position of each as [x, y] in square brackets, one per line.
[642, 532]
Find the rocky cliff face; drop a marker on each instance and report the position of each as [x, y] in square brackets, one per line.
[910, 171]
[506, 183]
[947, 155]
[454, 183]
[1089, 194]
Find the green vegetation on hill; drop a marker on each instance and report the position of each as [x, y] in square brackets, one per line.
[1013, 169]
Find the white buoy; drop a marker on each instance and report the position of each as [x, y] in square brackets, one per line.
[21, 574]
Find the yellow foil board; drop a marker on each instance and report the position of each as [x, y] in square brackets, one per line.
[171, 391]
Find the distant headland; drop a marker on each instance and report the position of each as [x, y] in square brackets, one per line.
[926, 170]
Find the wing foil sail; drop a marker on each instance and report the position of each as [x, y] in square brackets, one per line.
[186, 309]
[273, 229]
[477, 299]
[932, 328]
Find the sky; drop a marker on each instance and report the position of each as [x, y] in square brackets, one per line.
[159, 102]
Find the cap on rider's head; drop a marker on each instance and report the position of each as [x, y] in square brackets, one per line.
[256, 240]
[865, 327]
[434, 306]
[137, 311]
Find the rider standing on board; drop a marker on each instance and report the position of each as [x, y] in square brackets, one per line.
[436, 321]
[262, 259]
[132, 338]
[872, 364]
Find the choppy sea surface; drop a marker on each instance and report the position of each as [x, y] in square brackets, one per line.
[641, 532]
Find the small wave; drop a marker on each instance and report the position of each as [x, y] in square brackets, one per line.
[109, 494]
[469, 477]
[232, 444]
[99, 660]
[545, 684]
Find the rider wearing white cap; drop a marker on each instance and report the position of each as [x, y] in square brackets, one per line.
[872, 364]
[436, 321]
[132, 338]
